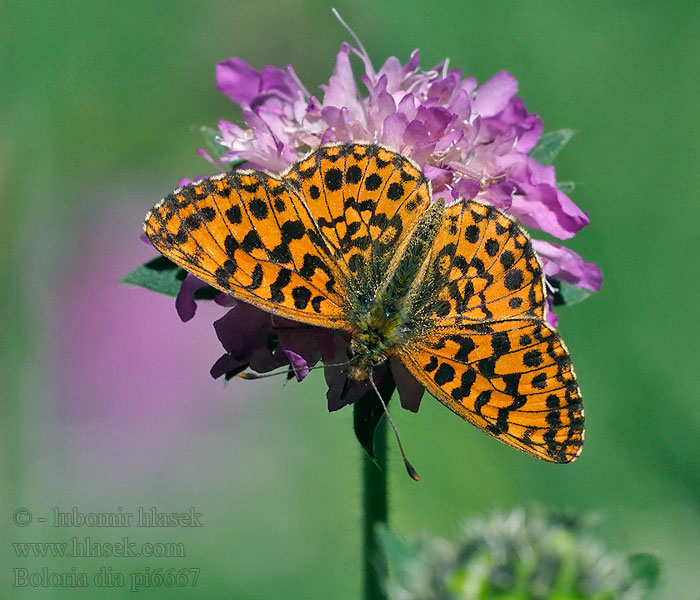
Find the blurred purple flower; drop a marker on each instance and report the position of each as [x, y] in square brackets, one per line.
[122, 387]
[471, 141]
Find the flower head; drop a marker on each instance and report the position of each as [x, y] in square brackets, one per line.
[520, 554]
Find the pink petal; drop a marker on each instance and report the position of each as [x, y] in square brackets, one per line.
[341, 89]
[550, 210]
[393, 131]
[184, 303]
[238, 80]
[564, 264]
[549, 314]
[298, 364]
[298, 342]
[493, 96]
[466, 188]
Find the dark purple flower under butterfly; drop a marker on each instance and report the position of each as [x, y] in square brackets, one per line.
[471, 141]
[257, 341]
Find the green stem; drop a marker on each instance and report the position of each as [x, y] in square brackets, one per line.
[375, 511]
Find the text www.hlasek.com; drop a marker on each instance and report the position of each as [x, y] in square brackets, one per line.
[86, 548]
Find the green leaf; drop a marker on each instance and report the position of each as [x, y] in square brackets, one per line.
[210, 134]
[566, 186]
[165, 277]
[645, 568]
[159, 275]
[567, 293]
[368, 412]
[550, 145]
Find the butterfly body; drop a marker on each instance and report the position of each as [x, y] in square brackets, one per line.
[349, 238]
[384, 323]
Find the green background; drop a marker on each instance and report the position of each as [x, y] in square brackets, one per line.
[106, 397]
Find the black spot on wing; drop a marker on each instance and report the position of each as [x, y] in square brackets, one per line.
[316, 303]
[230, 245]
[353, 174]
[301, 296]
[234, 215]
[258, 208]
[192, 222]
[257, 278]
[373, 182]
[466, 345]
[513, 279]
[471, 234]
[500, 343]
[539, 381]
[506, 259]
[444, 374]
[553, 401]
[532, 358]
[395, 191]
[515, 302]
[251, 188]
[465, 387]
[431, 365]
[292, 230]
[251, 241]
[311, 265]
[482, 400]
[491, 246]
[282, 281]
[208, 214]
[333, 179]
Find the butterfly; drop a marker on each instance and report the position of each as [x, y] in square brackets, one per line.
[349, 238]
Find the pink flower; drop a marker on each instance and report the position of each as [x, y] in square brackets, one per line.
[472, 141]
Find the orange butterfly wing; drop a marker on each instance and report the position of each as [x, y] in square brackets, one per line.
[483, 349]
[250, 234]
[304, 245]
[367, 200]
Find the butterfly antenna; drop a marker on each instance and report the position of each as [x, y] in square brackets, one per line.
[253, 375]
[413, 474]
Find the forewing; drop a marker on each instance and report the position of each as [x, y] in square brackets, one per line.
[481, 268]
[366, 200]
[249, 234]
[512, 378]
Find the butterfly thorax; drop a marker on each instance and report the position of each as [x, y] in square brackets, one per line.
[380, 325]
